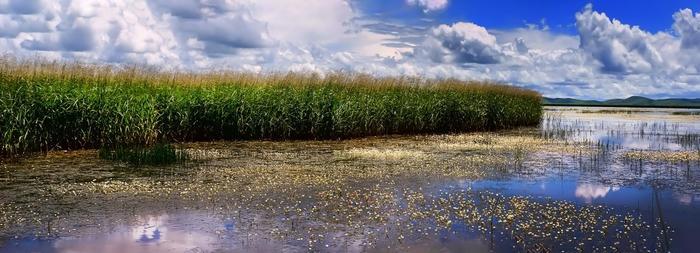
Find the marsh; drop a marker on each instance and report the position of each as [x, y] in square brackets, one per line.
[581, 180]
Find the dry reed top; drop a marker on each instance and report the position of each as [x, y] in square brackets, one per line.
[81, 73]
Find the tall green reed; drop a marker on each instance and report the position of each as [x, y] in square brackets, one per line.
[47, 106]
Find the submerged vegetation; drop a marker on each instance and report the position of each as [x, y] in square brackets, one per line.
[159, 154]
[49, 106]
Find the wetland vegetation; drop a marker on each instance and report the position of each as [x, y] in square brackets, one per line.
[579, 182]
[158, 154]
[50, 106]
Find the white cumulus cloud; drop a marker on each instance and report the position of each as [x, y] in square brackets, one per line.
[188, 33]
[687, 25]
[429, 5]
[22, 7]
[618, 47]
[461, 43]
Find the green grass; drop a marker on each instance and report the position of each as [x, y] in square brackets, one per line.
[159, 154]
[48, 106]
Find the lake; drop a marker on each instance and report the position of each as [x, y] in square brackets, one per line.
[588, 179]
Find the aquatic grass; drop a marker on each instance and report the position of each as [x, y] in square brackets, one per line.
[686, 113]
[57, 106]
[381, 154]
[159, 154]
[669, 156]
[614, 111]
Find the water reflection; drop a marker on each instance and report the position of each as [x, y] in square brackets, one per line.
[169, 237]
[589, 192]
[150, 232]
[686, 198]
[653, 129]
[152, 235]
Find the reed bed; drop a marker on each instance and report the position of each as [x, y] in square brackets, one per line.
[49, 106]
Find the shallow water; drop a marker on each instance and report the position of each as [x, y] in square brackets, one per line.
[629, 128]
[583, 181]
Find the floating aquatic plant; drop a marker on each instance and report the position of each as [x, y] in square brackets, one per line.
[159, 154]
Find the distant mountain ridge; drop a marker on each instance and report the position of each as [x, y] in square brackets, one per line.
[634, 101]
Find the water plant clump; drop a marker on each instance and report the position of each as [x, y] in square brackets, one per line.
[686, 113]
[53, 106]
[159, 154]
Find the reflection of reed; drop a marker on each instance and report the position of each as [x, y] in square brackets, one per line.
[665, 246]
[635, 131]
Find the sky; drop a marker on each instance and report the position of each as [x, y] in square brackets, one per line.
[582, 49]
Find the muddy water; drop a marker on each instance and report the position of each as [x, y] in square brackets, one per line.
[588, 179]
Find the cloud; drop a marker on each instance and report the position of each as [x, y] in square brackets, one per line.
[211, 28]
[306, 22]
[428, 5]
[104, 31]
[647, 62]
[77, 36]
[12, 25]
[250, 33]
[589, 65]
[618, 47]
[189, 33]
[687, 26]
[187, 9]
[606, 59]
[538, 38]
[520, 45]
[461, 43]
[22, 7]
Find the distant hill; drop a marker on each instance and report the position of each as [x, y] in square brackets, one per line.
[634, 101]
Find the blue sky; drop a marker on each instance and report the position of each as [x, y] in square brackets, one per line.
[583, 49]
[652, 16]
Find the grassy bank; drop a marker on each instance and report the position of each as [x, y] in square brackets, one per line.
[46, 106]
